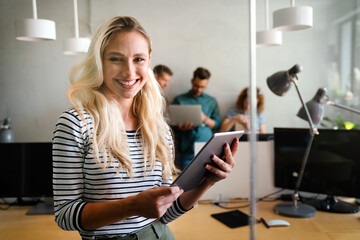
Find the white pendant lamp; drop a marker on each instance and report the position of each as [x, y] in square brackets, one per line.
[76, 45]
[34, 29]
[268, 37]
[293, 18]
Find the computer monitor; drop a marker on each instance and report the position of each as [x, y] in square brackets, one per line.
[261, 137]
[332, 168]
[26, 171]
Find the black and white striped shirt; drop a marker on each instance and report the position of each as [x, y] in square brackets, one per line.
[78, 179]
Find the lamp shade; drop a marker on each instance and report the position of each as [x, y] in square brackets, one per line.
[315, 107]
[293, 18]
[280, 82]
[268, 38]
[74, 46]
[35, 29]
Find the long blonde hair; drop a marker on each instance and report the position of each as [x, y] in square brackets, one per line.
[109, 134]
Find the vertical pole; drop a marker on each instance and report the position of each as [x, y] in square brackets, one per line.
[76, 22]
[252, 135]
[34, 9]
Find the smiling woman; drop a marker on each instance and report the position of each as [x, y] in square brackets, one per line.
[126, 68]
[113, 151]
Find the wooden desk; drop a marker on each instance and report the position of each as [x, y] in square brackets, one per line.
[197, 224]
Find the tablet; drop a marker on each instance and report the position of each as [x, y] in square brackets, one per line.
[180, 114]
[195, 171]
[232, 219]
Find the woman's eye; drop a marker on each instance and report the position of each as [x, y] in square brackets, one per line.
[114, 59]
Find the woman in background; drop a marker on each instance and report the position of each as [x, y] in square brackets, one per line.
[239, 118]
[113, 150]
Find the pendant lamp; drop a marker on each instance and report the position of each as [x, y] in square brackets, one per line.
[268, 37]
[34, 29]
[293, 18]
[76, 45]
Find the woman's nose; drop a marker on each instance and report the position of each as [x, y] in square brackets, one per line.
[128, 70]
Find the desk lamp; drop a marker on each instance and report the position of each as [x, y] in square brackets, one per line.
[316, 106]
[279, 83]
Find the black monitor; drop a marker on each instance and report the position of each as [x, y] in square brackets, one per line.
[333, 166]
[26, 171]
[261, 137]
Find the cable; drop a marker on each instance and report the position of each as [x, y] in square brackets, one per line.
[270, 194]
[9, 205]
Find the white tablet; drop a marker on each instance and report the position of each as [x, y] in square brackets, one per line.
[195, 170]
[180, 114]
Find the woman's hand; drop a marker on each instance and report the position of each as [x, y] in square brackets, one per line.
[223, 166]
[243, 120]
[154, 202]
[218, 171]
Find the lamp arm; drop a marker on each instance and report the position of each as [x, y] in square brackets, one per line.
[342, 107]
[313, 129]
[303, 163]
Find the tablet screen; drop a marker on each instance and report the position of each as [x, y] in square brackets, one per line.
[195, 170]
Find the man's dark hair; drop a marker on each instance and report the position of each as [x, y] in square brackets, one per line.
[201, 73]
[159, 69]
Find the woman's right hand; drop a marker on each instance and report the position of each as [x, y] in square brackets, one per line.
[243, 120]
[154, 202]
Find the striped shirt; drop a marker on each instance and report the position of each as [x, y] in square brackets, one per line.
[78, 179]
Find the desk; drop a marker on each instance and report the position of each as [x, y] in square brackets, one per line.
[197, 225]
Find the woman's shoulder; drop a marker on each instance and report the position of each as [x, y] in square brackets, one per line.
[234, 111]
[76, 117]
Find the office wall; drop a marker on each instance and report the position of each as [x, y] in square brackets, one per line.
[185, 34]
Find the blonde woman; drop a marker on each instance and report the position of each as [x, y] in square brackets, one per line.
[113, 150]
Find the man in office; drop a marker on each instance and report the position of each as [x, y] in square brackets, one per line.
[186, 135]
[163, 75]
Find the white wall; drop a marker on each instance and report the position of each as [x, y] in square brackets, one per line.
[185, 34]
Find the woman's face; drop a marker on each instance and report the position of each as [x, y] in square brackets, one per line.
[247, 104]
[126, 62]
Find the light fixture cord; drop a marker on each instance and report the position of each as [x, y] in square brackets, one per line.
[292, 3]
[267, 20]
[34, 9]
[76, 22]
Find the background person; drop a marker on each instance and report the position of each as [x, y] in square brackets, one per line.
[241, 116]
[187, 134]
[163, 75]
[112, 152]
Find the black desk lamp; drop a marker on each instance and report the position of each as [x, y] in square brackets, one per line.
[279, 83]
[315, 106]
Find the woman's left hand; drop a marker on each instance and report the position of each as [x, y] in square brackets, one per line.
[223, 166]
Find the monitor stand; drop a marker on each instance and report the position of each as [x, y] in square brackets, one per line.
[42, 207]
[331, 204]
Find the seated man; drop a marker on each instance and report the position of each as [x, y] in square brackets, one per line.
[187, 135]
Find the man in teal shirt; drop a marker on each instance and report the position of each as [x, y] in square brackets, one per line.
[186, 135]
